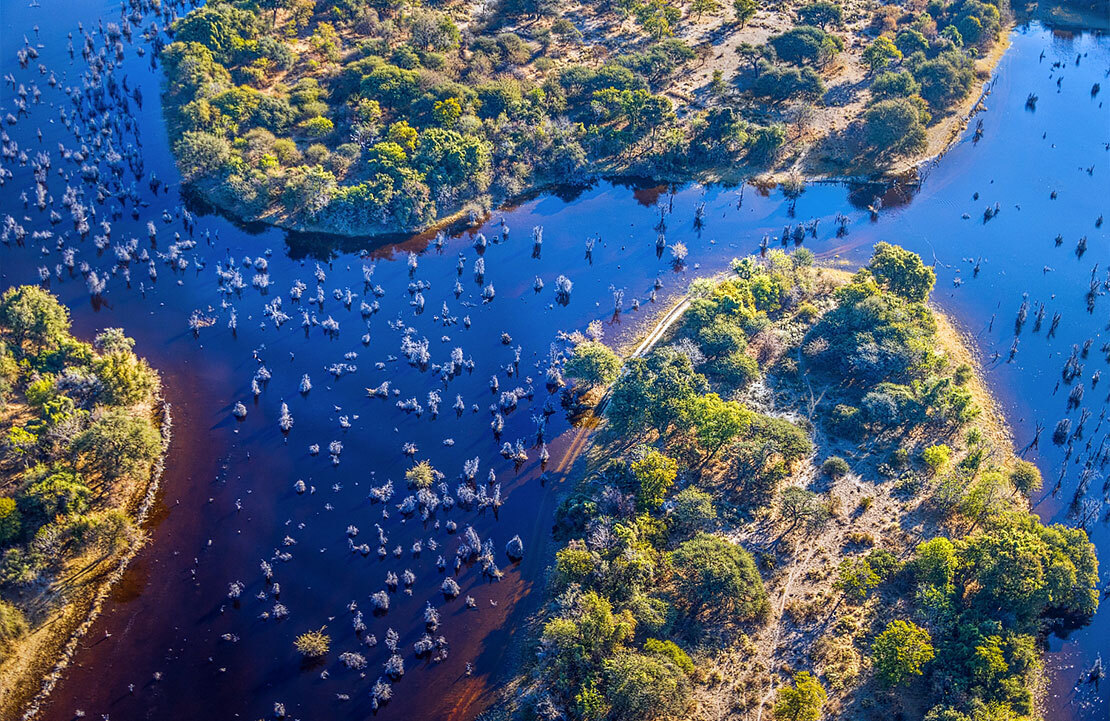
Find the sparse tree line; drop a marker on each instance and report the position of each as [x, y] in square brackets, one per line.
[79, 437]
[650, 582]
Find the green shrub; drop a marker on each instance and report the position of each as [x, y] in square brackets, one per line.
[835, 467]
[317, 127]
[900, 652]
[715, 576]
[10, 520]
[936, 458]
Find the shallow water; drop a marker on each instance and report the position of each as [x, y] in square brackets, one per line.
[170, 615]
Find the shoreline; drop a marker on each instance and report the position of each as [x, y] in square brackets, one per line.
[942, 137]
[26, 697]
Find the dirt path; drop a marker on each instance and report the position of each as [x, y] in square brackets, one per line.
[581, 437]
[778, 625]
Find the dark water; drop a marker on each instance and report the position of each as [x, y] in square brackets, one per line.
[171, 615]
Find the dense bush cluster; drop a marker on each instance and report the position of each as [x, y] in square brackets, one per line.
[357, 116]
[922, 64]
[79, 435]
[644, 565]
[651, 585]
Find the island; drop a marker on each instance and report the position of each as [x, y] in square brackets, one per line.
[803, 504]
[356, 118]
[83, 431]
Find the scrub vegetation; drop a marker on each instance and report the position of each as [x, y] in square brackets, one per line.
[79, 442]
[804, 502]
[355, 117]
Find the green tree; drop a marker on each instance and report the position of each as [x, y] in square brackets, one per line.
[588, 634]
[654, 473]
[118, 445]
[910, 41]
[900, 652]
[719, 577]
[451, 160]
[657, 17]
[1018, 566]
[799, 506]
[699, 7]
[856, 578]
[201, 155]
[126, 380]
[58, 494]
[880, 53]
[29, 314]
[640, 686]
[10, 520]
[894, 127]
[902, 272]
[945, 79]
[744, 10]
[801, 702]
[821, 13]
[1025, 477]
[806, 44]
[715, 422]
[593, 364]
[890, 85]
[692, 511]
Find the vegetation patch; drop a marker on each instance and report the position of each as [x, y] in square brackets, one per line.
[81, 444]
[840, 526]
[359, 117]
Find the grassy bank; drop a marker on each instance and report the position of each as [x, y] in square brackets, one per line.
[84, 436]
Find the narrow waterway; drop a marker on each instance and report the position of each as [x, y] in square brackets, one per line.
[172, 644]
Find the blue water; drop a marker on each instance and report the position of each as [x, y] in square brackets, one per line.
[171, 615]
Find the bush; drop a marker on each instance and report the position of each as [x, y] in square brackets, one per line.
[936, 458]
[313, 644]
[737, 369]
[900, 652]
[317, 127]
[894, 127]
[847, 422]
[893, 85]
[835, 467]
[10, 523]
[201, 155]
[692, 511]
[781, 83]
[715, 576]
[801, 702]
[12, 626]
[670, 651]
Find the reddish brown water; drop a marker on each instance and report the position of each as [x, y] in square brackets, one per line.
[171, 613]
